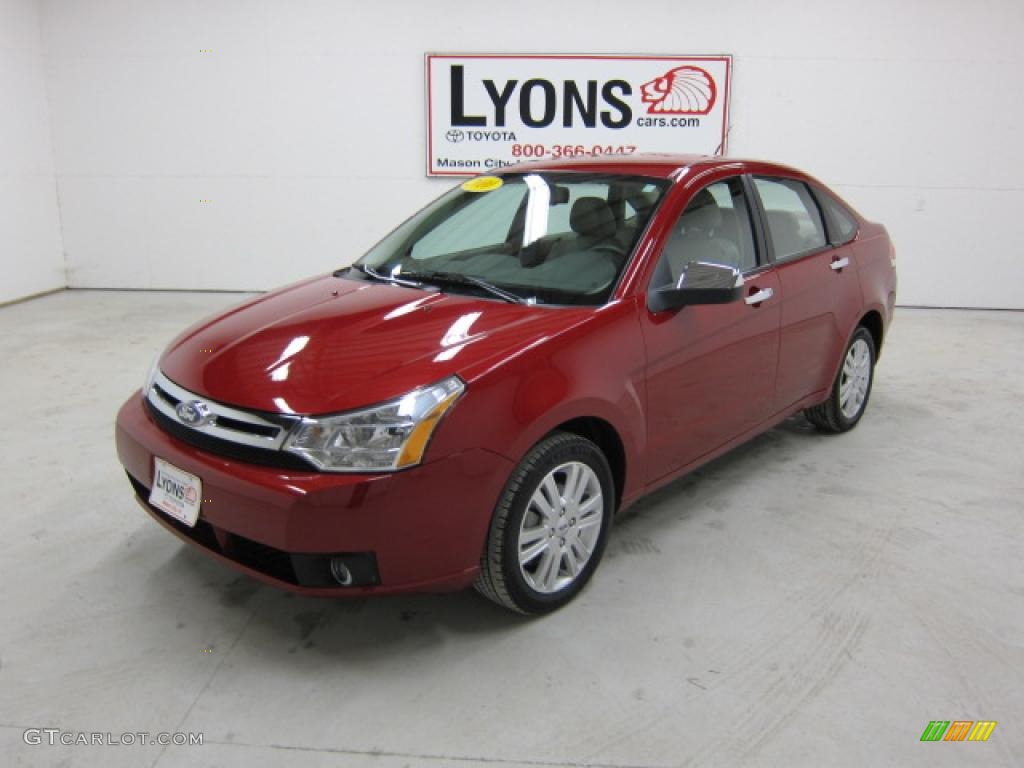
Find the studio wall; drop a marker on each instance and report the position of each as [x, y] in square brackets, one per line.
[31, 261]
[241, 144]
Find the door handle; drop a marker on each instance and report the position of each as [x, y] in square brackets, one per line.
[763, 295]
[840, 263]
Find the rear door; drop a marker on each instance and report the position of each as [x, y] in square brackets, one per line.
[711, 368]
[817, 281]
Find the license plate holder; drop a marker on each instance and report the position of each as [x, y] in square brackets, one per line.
[176, 492]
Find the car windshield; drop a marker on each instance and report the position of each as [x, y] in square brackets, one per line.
[545, 238]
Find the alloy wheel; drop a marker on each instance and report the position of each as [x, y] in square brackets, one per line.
[561, 527]
[856, 380]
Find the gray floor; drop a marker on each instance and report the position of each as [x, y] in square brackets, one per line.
[806, 600]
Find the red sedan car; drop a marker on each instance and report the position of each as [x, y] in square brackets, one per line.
[474, 399]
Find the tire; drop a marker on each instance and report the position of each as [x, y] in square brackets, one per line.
[536, 560]
[844, 408]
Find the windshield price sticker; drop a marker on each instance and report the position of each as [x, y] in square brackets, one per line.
[488, 111]
[482, 184]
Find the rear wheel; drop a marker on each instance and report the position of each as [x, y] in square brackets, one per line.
[549, 529]
[851, 389]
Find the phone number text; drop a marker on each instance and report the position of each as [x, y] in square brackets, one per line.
[570, 150]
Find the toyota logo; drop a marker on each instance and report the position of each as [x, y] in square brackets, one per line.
[195, 413]
[455, 135]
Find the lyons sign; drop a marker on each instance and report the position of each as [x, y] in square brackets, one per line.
[486, 111]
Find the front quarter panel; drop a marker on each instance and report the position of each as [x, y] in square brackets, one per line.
[593, 369]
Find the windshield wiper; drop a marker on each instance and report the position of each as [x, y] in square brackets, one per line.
[368, 270]
[457, 278]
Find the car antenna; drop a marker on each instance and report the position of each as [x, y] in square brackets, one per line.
[718, 149]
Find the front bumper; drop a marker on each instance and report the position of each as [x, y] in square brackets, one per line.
[422, 529]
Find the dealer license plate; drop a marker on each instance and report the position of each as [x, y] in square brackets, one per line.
[176, 492]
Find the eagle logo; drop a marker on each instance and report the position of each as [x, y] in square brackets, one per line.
[680, 91]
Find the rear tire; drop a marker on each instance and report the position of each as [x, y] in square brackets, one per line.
[850, 392]
[550, 526]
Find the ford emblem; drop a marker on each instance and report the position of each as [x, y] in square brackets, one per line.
[195, 413]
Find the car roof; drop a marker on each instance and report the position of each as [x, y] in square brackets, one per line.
[668, 166]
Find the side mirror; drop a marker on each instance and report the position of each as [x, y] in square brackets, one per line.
[700, 283]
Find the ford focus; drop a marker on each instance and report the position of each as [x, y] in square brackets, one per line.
[474, 400]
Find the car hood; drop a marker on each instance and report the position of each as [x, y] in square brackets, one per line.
[332, 344]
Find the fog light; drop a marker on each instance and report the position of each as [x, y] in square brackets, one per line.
[340, 572]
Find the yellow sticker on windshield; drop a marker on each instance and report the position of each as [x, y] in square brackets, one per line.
[482, 184]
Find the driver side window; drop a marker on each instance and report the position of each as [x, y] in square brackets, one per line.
[715, 228]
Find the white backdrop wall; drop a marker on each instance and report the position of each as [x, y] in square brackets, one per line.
[30, 249]
[302, 123]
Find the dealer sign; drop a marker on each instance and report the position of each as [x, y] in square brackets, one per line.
[486, 111]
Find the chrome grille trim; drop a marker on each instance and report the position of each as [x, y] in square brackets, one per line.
[273, 436]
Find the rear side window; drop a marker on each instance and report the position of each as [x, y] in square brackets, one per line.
[794, 220]
[842, 227]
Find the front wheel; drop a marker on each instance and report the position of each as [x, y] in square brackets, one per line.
[851, 389]
[549, 529]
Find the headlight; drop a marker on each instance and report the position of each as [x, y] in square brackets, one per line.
[151, 376]
[379, 439]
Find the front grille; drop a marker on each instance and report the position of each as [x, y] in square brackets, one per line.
[253, 437]
[165, 395]
[243, 426]
[260, 557]
[226, 448]
[299, 569]
[270, 431]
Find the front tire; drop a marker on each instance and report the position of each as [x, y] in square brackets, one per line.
[852, 388]
[550, 526]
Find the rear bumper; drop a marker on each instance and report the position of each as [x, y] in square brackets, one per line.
[422, 529]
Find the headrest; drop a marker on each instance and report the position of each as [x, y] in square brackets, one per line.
[593, 217]
[702, 213]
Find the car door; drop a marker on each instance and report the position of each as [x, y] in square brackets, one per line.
[711, 368]
[815, 278]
